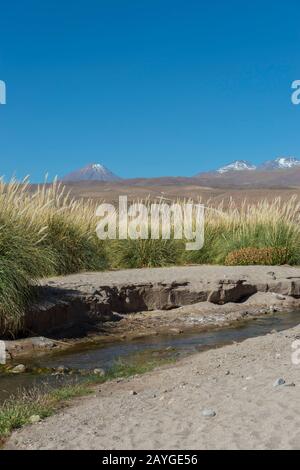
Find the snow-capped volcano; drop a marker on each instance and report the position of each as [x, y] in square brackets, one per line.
[92, 172]
[237, 165]
[280, 163]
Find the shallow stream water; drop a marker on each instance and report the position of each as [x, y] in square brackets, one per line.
[97, 355]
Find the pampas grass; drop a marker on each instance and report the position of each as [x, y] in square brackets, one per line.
[46, 232]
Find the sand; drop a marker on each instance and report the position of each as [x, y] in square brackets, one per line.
[236, 381]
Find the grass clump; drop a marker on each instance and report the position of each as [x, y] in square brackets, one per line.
[252, 256]
[271, 227]
[16, 411]
[42, 232]
[145, 253]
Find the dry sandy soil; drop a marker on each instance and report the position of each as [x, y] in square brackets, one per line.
[166, 409]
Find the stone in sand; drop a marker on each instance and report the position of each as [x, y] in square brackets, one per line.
[208, 413]
[19, 369]
[278, 382]
[34, 419]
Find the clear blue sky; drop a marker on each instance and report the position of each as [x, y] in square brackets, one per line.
[147, 87]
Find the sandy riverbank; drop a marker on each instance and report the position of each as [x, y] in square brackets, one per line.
[235, 381]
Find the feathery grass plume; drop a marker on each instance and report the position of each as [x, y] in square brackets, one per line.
[43, 231]
[263, 225]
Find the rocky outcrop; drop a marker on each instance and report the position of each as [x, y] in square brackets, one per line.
[75, 304]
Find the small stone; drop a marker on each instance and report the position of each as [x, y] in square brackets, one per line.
[100, 372]
[208, 413]
[133, 392]
[280, 297]
[19, 369]
[34, 419]
[61, 369]
[176, 331]
[272, 308]
[278, 382]
[291, 384]
[227, 372]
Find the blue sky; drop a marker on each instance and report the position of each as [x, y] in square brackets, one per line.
[146, 87]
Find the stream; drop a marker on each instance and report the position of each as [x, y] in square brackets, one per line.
[96, 355]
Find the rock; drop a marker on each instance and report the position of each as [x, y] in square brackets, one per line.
[231, 291]
[34, 419]
[100, 372]
[133, 392]
[278, 382]
[19, 369]
[272, 308]
[41, 342]
[176, 331]
[290, 384]
[61, 369]
[227, 372]
[208, 413]
[280, 297]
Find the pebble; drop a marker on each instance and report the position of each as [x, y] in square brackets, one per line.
[278, 382]
[100, 372]
[208, 413]
[176, 331]
[19, 369]
[34, 419]
[227, 372]
[133, 392]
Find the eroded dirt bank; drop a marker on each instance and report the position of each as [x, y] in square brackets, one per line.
[226, 398]
[135, 302]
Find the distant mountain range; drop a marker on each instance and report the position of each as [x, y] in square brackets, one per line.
[279, 163]
[281, 172]
[91, 172]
